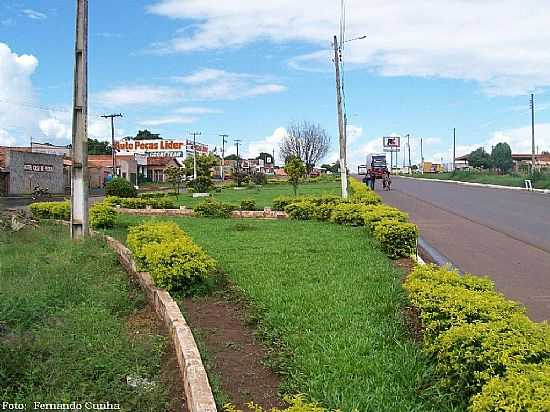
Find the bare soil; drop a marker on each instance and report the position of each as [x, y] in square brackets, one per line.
[411, 314]
[238, 358]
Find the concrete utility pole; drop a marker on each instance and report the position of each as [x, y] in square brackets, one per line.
[421, 156]
[532, 132]
[454, 149]
[195, 134]
[223, 136]
[79, 168]
[341, 126]
[237, 143]
[113, 151]
[409, 149]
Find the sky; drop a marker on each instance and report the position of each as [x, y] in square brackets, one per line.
[248, 68]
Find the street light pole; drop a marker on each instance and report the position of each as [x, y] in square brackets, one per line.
[341, 126]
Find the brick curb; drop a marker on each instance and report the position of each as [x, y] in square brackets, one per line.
[195, 380]
[237, 214]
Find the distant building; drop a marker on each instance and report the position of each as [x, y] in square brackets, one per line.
[521, 161]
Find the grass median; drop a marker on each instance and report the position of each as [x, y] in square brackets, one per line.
[513, 180]
[330, 303]
[65, 334]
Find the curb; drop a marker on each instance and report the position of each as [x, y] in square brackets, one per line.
[236, 214]
[199, 397]
[458, 182]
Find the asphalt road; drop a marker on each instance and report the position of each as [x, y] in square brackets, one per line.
[500, 233]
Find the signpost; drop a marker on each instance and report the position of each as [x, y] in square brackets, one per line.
[160, 148]
[392, 144]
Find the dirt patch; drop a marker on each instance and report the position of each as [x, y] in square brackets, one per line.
[407, 264]
[237, 357]
[145, 322]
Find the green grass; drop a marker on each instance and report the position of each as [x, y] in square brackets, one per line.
[489, 178]
[63, 315]
[262, 195]
[330, 303]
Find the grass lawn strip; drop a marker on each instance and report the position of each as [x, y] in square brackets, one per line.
[331, 301]
[487, 178]
[69, 325]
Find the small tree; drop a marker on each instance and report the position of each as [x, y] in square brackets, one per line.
[296, 171]
[501, 157]
[120, 187]
[175, 176]
[479, 158]
[204, 164]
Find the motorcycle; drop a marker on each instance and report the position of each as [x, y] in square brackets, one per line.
[40, 193]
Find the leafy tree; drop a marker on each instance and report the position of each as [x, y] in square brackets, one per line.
[307, 141]
[95, 147]
[296, 171]
[240, 177]
[175, 176]
[120, 187]
[479, 158]
[204, 164]
[146, 135]
[231, 157]
[333, 167]
[501, 157]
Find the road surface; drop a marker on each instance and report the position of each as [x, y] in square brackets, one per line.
[504, 234]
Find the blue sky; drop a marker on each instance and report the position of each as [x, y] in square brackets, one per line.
[248, 68]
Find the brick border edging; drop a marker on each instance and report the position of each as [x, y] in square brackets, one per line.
[237, 214]
[199, 397]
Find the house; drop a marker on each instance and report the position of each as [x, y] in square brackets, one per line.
[156, 166]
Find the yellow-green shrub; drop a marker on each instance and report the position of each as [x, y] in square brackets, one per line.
[102, 216]
[177, 264]
[423, 277]
[398, 239]
[153, 232]
[362, 194]
[280, 202]
[303, 210]
[349, 214]
[524, 388]
[468, 356]
[51, 210]
[324, 211]
[169, 255]
[297, 404]
[214, 208]
[377, 213]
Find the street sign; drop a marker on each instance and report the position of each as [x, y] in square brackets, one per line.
[392, 150]
[392, 141]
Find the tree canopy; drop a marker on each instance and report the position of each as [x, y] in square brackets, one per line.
[479, 158]
[501, 157]
[146, 135]
[95, 147]
[204, 164]
[296, 170]
[307, 141]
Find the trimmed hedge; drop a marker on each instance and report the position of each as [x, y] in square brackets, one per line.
[140, 202]
[349, 214]
[487, 351]
[360, 193]
[248, 204]
[524, 388]
[304, 210]
[397, 239]
[174, 261]
[120, 187]
[102, 216]
[51, 210]
[153, 195]
[214, 208]
[376, 214]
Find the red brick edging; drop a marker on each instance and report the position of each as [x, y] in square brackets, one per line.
[237, 214]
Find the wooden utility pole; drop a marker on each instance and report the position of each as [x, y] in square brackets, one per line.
[195, 134]
[113, 151]
[223, 136]
[532, 132]
[237, 143]
[421, 156]
[341, 126]
[409, 150]
[79, 168]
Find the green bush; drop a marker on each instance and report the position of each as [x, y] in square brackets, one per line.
[524, 388]
[248, 204]
[259, 178]
[120, 187]
[324, 211]
[302, 210]
[152, 195]
[133, 202]
[397, 239]
[423, 277]
[280, 202]
[349, 214]
[376, 214]
[326, 200]
[202, 184]
[161, 203]
[362, 194]
[51, 210]
[444, 305]
[470, 355]
[177, 264]
[297, 404]
[214, 208]
[170, 256]
[102, 216]
[140, 202]
[111, 200]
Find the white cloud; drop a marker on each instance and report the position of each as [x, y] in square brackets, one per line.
[16, 92]
[53, 127]
[166, 120]
[501, 44]
[353, 133]
[149, 95]
[6, 139]
[519, 138]
[219, 84]
[33, 14]
[267, 144]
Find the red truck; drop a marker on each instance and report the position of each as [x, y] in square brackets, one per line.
[376, 165]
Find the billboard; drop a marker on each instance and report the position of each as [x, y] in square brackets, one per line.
[392, 142]
[159, 148]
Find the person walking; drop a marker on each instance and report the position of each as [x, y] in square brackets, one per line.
[387, 180]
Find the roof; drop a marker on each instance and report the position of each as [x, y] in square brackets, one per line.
[160, 161]
[5, 149]
[517, 156]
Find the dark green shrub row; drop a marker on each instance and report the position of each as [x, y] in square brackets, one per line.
[174, 261]
[398, 239]
[120, 187]
[248, 204]
[214, 208]
[486, 350]
[51, 210]
[140, 203]
[153, 195]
